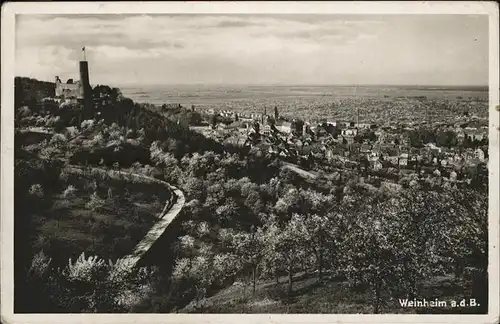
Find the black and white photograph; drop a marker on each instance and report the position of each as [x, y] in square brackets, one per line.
[243, 158]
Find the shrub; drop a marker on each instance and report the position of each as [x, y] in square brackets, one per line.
[97, 140]
[87, 123]
[147, 170]
[56, 122]
[64, 175]
[58, 140]
[69, 192]
[33, 148]
[203, 229]
[95, 202]
[71, 131]
[36, 190]
[85, 270]
[24, 111]
[40, 121]
[39, 265]
[48, 152]
[136, 166]
[87, 285]
[91, 185]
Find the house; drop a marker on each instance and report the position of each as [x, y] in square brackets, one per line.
[457, 157]
[348, 132]
[343, 124]
[389, 149]
[365, 148]
[272, 150]
[460, 135]
[349, 139]
[373, 156]
[404, 140]
[355, 147]
[436, 160]
[221, 126]
[329, 155]
[474, 134]
[376, 165]
[403, 159]
[392, 159]
[285, 127]
[331, 122]
[266, 130]
[377, 148]
[479, 154]
[433, 147]
[338, 150]
[306, 129]
[363, 126]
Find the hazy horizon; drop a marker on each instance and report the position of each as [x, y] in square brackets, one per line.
[135, 85]
[306, 84]
[264, 49]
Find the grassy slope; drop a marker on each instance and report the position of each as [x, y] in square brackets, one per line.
[333, 296]
[68, 227]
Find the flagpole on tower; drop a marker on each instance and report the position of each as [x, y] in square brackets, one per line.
[84, 55]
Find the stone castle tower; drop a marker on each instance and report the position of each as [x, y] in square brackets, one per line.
[79, 90]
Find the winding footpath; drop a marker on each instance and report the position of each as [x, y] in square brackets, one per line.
[172, 208]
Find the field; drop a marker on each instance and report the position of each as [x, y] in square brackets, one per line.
[105, 218]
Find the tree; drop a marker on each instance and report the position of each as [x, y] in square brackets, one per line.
[256, 127]
[214, 121]
[105, 101]
[395, 244]
[320, 236]
[290, 246]
[249, 248]
[271, 259]
[479, 176]
[297, 126]
[446, 139]
[283, 250]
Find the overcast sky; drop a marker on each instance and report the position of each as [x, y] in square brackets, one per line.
[256, 49]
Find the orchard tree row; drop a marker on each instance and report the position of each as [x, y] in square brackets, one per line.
[236, 229]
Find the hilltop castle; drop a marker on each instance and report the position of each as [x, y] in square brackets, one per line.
[75, 90]
[79, 90]
[69, 90]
